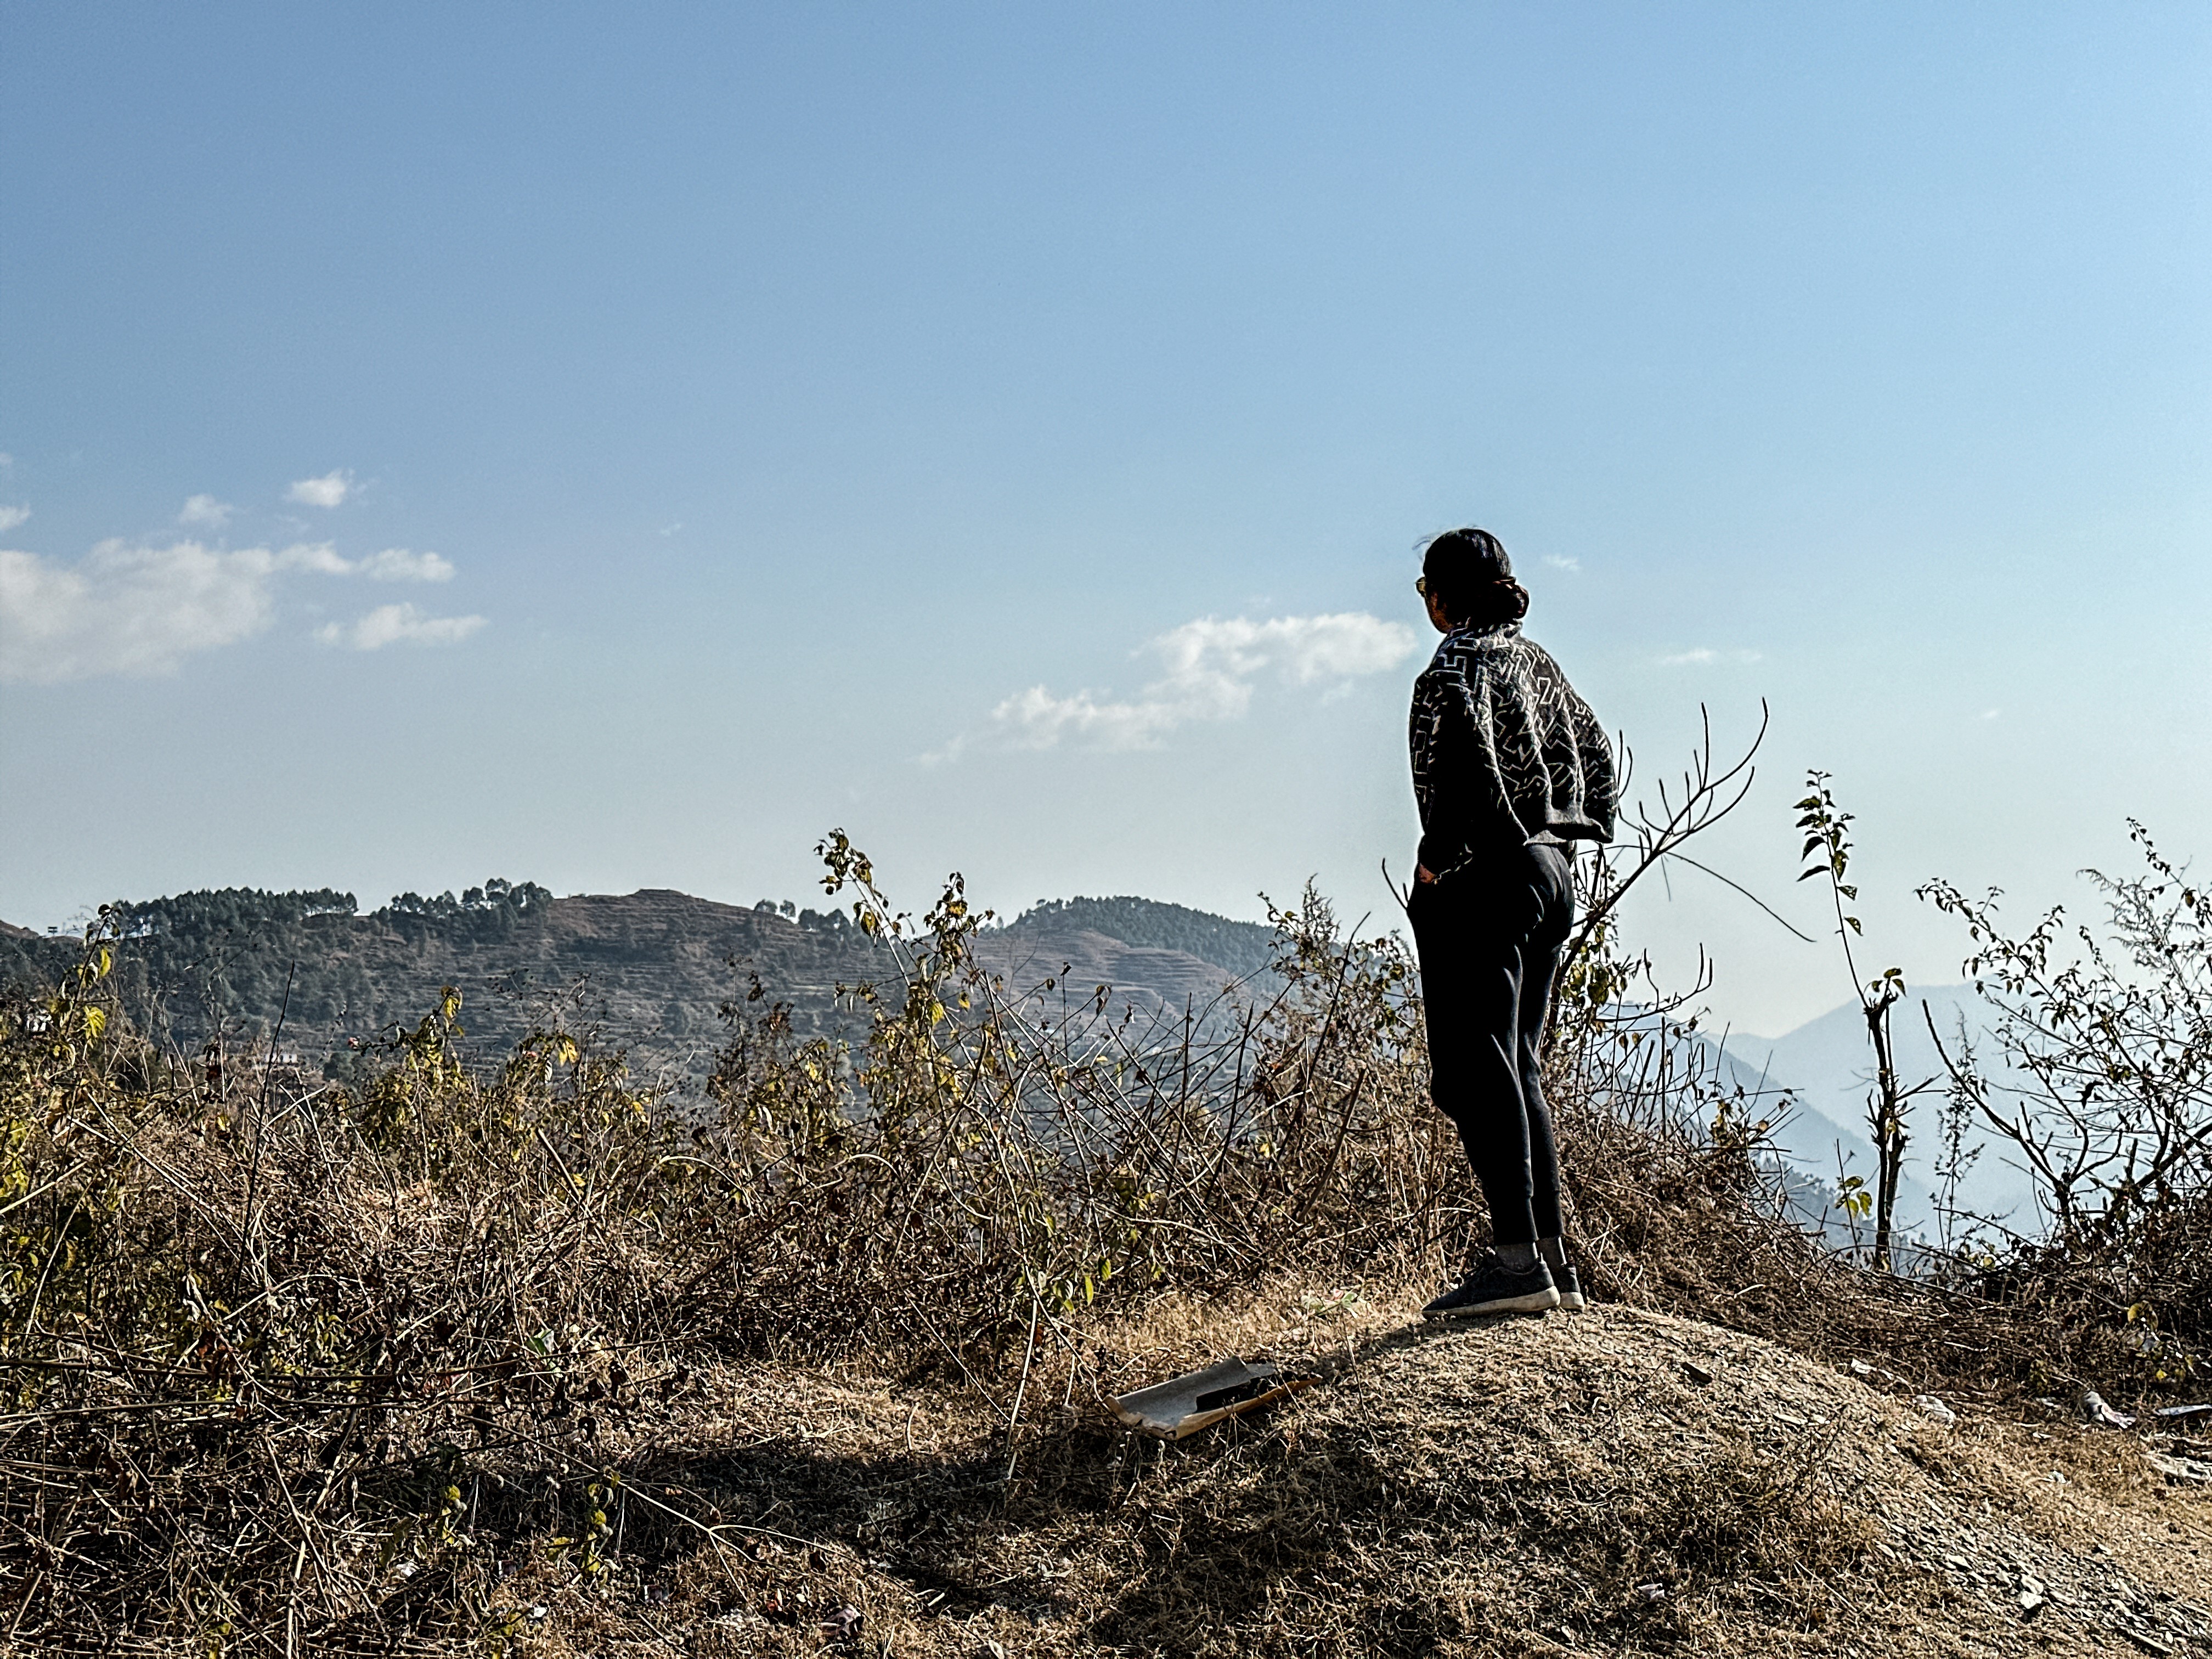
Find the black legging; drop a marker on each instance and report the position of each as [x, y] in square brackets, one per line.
[1490, 936]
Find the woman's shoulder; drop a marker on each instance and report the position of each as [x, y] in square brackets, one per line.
[1542, 661]
[1550, 680]
[1508, 651]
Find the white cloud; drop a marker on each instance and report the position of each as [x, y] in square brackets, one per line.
[12, 516]
[328, 491]
[1035, 719]
[1702, 655]
[205, 509]
[1562, 561]
[127, 610]
[134, 610]
[321, 557]
[1212, 666]
[398, 624]
[396, 564]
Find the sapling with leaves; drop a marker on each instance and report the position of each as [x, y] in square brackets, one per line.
[1827, 852]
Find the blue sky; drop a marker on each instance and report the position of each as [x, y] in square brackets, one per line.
[611, 446]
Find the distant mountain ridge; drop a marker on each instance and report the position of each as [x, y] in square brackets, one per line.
[649, 969]
[1826, 1066]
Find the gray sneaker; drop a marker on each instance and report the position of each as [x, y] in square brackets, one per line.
[1570, 1289]
[1491, 1288]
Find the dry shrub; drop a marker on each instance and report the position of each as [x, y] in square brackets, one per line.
[2095, 1077]
[987, 1162]
[267, 1347]
[335, 1369]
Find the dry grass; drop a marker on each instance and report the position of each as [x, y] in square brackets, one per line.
[507, 1358]
[1530, 1486]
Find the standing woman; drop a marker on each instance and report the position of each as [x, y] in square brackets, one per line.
[1511, 768]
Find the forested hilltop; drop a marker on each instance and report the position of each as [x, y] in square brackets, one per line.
[649, 970]
[1243, 947]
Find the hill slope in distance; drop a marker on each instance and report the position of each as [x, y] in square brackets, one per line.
[649, 970]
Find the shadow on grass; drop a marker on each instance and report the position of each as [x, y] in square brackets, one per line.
[1217, 1525]
[1266, 1521]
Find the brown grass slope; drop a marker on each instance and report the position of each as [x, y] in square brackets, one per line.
[1616, 1482]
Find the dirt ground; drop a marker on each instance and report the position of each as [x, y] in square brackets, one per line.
[1611, 1482]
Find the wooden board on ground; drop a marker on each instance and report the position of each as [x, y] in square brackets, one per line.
[1198, 1400]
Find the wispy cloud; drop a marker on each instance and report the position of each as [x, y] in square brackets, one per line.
[398, 624]
[138, 610]
[397, 564]
[394, 564]
[1700, 656]
[205, 509]
[321, 557]
[1211, 669]
[12, 516]
[1563, 561]
[328, 491]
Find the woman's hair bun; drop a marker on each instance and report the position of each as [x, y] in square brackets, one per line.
[1468, 569]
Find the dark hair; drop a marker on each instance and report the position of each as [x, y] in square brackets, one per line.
[1469, 573]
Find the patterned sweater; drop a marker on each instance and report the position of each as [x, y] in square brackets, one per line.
[1504, 750]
